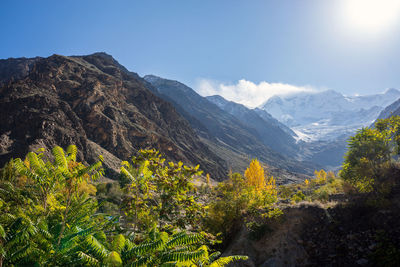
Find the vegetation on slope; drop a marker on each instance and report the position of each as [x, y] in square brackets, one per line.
[50, 216]
[54, 214]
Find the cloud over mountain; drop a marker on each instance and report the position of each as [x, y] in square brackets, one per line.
[246, 92]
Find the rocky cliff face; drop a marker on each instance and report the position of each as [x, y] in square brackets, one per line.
[95, 103]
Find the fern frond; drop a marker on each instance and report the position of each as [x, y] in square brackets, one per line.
[184, 256]
[184, 239]
[127, 174]
[226, 260]
[127, 247]
[184, 249]
[87, 259]
[95, 247]
[118, 243]
[72, 151]
[95, 170]
[84, 232]
[44, 233]
[8, 217]
[33, 161]
[59, 157]
[143, 249]
[19, 254]
[214, 256]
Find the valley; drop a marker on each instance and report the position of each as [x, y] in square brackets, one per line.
[200, 133]
[293, 134]
[112, 114]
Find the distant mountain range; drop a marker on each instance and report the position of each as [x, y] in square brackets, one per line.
[232, 131]
[328, 108]
[324, 120]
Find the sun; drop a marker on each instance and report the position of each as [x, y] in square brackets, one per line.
[371, 16]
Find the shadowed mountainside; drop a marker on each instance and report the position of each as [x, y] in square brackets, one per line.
[95, 103]
[269, 130]
[391, 110]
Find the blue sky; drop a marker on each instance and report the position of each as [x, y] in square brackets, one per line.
[300, 43]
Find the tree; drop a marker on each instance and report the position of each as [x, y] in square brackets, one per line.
[255, 175]
[161, 192]
[239, 200]
[47, 208]
[370, 152]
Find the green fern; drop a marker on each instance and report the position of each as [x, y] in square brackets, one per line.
[184, 239]
[226, 260]
[95, 247]
[87, 259]
[72, 152]
[59, 157]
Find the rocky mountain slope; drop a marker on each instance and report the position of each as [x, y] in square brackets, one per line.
[95, 103]
[270, 131]
[391, 110]
[226, 134]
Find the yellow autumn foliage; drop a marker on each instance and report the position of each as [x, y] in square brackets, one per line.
[320, 176]
[86, 187]
[254, 175]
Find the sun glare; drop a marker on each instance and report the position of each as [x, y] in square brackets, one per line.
[371, 16]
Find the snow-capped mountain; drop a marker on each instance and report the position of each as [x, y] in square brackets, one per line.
[328, 115]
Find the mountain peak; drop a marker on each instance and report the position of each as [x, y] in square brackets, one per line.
[103, 54]
[151, 78]
[217, 99]
[391, 91]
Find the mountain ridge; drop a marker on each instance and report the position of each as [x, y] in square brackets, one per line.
[89, 100]
[270, 131]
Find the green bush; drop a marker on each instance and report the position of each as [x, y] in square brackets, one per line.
[299, 196]
[369, 154]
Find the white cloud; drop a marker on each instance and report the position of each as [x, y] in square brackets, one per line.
[246, 92]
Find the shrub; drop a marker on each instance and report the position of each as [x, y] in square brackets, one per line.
[299, 196]
[369, 154]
